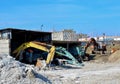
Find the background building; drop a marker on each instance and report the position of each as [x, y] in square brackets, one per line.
[65, 35]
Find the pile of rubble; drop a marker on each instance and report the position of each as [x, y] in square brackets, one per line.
[14, 72]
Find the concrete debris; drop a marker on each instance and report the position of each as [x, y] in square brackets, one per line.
[14, 72]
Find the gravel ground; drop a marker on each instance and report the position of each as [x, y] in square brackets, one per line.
[92, 73]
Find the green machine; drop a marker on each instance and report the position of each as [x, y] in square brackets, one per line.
[69, 58]
[77, 52]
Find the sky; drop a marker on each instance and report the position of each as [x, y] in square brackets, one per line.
[93, 17]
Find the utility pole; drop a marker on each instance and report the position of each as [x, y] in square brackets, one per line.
[41, 27]
[103, 37]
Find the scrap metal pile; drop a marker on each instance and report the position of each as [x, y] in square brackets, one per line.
[42, 54]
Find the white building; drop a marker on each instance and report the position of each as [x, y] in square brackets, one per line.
[101, 38]
[117, 38]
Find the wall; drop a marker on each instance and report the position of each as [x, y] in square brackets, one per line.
[4, 46]
[65, 35]
[57, 36]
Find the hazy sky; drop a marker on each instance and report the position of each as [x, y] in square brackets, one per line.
[83, 16]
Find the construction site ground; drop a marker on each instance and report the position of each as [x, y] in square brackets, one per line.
[103, 69]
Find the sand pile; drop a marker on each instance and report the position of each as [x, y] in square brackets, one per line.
[115, 57]
[14, 72]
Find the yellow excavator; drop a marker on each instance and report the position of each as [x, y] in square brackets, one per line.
[52, 52]
[37, 45]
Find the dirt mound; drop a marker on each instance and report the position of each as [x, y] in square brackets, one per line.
[115, 57]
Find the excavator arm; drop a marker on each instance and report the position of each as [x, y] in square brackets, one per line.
[38, 45]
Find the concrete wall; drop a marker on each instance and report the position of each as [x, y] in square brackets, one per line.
[65, 35]
[4, 46]
[57, 36]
